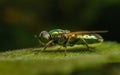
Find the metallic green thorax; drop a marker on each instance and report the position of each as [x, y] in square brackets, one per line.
[58, 36]
[58, 31]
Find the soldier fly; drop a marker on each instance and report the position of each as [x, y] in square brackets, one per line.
[66, 38]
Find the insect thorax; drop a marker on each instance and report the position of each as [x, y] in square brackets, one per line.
[58, 36]
[59, 39]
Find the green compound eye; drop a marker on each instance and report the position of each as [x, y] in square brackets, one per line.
[44, 36]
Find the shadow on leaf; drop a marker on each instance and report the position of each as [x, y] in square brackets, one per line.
[73, 50]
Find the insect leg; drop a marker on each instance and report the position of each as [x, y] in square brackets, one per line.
[41, 43]
[67, 44]
[85, 43]
[51, 41]
[59, 48]
[65, 50]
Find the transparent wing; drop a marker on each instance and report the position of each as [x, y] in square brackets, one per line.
[87, 32]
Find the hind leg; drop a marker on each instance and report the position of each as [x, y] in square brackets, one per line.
[89, 48]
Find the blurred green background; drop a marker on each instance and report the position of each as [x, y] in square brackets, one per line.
[20, 20]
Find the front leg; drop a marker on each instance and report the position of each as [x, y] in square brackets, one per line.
[37, 51]
[51, 41]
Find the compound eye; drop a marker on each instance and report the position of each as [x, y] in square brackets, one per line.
[44, 36]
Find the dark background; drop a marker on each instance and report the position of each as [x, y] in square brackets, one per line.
[20, 20]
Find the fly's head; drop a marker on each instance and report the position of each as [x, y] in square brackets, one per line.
[44, 37]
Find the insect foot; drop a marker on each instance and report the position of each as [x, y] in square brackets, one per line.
[91, 49]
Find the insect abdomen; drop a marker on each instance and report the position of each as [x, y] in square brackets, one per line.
[89, 38]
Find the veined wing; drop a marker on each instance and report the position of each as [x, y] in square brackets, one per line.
[87, 32]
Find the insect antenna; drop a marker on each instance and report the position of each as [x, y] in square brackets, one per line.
[41, 44]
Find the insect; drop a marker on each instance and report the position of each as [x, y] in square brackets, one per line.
[66, 38]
